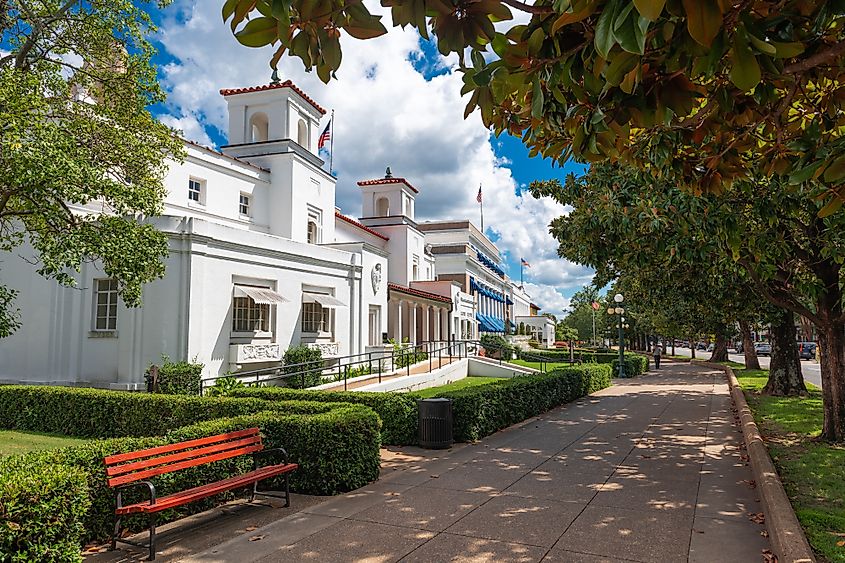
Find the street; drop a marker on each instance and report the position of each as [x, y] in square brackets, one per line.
[809, 368]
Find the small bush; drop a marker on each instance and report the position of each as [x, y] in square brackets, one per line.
[397, 411]
[42, 510]
[497, 346]
[307, 365]
[175, 378]
[224, 386]
[635, 364]
[404, 355]
[482, 410]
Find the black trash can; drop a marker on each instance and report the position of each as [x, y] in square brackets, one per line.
[435, 423]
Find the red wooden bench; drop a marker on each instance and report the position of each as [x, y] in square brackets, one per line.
[132, 469]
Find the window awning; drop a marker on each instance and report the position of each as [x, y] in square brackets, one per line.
[323, 299]
[261, 295]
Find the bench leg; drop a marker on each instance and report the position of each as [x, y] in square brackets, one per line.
[152, 538]
[253, 491]
[287, 490]
[116, 533]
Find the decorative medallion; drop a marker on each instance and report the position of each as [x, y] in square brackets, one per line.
[375, 277]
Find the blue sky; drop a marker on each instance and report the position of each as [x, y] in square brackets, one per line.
[398, 104]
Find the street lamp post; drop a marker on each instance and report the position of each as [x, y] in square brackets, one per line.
[619, 310]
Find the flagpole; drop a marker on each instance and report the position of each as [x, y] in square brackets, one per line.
[331, 145]
[521, 267]
[481, 203]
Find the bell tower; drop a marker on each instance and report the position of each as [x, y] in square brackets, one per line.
[387, 197]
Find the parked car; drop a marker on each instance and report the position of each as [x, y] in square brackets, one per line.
[807, 350]
[763, 349]
[701, 346]
[711, 347]
[738, 347]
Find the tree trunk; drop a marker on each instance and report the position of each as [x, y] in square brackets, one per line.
[751, 361]
[785, 376]
[673, 345]
[720, 350]
[692, 344]
[832, 360]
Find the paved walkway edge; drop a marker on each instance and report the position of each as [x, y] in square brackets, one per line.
[786, 534]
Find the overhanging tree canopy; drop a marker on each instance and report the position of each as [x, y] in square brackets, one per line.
[704, 91]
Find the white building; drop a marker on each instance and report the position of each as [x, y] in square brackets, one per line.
[261, 260]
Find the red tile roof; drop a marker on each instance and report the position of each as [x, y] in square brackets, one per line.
[388, 181]
[418, 293]
[285, 84]
[352, 221]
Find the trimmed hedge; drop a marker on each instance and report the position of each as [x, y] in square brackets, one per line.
[635, 365]
[398, 412]
[42, 510]
[97, 413]
[337, 449]
[482, 410]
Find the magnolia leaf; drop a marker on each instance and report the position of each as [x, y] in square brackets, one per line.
[537, 101]
[258, 32]
[832, 207]
[650, 9]
[836, 171]
[604, 39]
[804, 174]
[620, 66]
[762, 46]
[704, 19]
[788, 50]
[745, 71]
[574, 17]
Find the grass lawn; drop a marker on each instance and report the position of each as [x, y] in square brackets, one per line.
[813, 473]
[470, 381]
[13, 442]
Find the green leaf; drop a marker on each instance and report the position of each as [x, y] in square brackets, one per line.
[537, 101]
[258, 32]
[620, 65]
[762, 46]
[650, 9]
[788, 50]
[804, 174]
[836, 171]
[704, 19]
[604, 39]
[745, 71]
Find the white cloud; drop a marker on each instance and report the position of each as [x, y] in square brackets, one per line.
[387, 114]
[549, 298]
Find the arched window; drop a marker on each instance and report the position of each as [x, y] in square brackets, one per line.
[382, 207]
[312, 232]
[302, 134]
[259, 127]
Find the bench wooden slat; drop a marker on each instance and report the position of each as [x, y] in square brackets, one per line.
[149, 452]
[203, 491]
[186, 454]
[144, 474]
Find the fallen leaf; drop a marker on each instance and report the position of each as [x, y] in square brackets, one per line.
[251, 528]
[764, 533]
[840, 544]
[751, 483]
[768, 556]
[757, 517]
[256, 538]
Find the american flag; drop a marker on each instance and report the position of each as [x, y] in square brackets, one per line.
[524, 263]
[478, 197]
[325, 136]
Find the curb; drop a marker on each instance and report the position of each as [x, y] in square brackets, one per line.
[785, 533]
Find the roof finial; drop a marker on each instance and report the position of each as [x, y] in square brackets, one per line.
[387, 173]
[274, 78]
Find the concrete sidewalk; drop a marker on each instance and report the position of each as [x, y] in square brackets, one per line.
[648, 470]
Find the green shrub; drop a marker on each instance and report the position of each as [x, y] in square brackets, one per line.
[397, 411]
[224, 386]
[98, 413]
[42, 508]
[306, 363]
[175, 378]
[497, 346]
[405, 355]
[635, 364]
[482, 410]
[336, 445]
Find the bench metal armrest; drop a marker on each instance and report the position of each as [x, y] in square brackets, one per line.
[272, 452]
[119, 491]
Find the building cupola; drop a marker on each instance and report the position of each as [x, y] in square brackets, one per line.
[387, 197]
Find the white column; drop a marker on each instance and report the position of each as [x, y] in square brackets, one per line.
[438, 322]
[412, 323]
[425, 327]
[398, 318]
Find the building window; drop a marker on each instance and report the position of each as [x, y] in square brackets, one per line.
[243, 205]
[249, 316]
[259, 127]
[105, 305]
[195, 191]
[382, 207]
[316, 318]
[315, 226]
[415, 271]
[302, 136]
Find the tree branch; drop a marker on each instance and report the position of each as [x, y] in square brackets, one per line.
[523, 7]
[38, 28]
[784, 301]
[819, 58]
